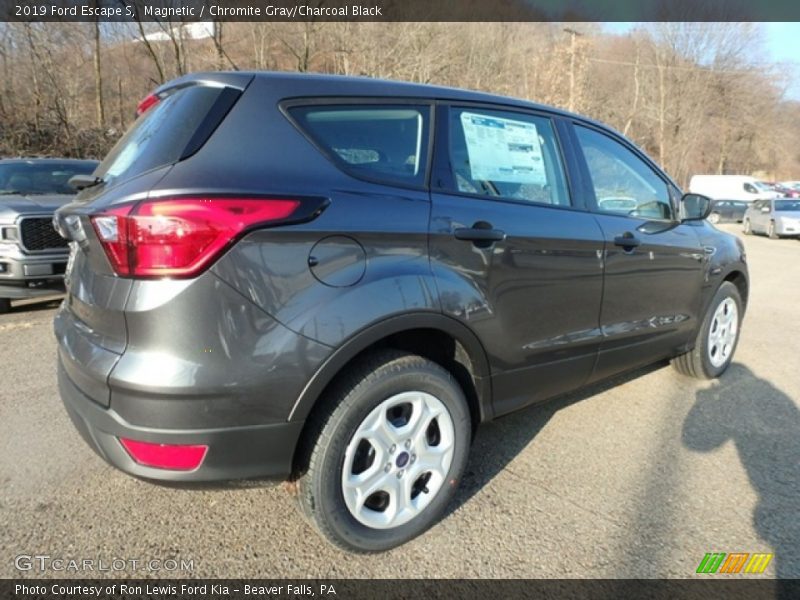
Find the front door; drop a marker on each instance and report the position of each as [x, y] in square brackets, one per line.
[515, 258]
[653, 264]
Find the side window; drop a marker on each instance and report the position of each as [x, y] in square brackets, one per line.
[750, 188]
[623, 183]
[507, 155]
[384, 142]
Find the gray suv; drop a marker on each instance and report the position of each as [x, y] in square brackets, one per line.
[32, 254]
[336, 280]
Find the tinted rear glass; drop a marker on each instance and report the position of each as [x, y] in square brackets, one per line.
[382, 142]
[167, 132]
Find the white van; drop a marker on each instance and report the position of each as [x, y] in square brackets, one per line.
[731, 187]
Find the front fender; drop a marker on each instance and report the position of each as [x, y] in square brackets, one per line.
[726, 259]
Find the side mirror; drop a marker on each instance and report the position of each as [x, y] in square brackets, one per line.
[80, 181]
[695, 207]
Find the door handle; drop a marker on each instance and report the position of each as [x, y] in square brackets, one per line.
[627, 240]
[482, 234]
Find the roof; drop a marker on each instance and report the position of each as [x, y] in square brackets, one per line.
[316, 84]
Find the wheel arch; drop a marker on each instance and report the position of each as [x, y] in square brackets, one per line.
[738, 278]
[421, 333]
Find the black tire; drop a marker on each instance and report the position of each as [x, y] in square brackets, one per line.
[358, 393]
[771, 231]
[5, 305]
[697, 362]
[747, 228]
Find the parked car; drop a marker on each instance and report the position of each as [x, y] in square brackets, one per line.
[786, 191]
[727, 211]
[793, 185]
[336, 280]
[776, 218]
[32, 254]
[731, 187]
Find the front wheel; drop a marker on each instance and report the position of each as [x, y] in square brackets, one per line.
[387, 454]
[713, 218]
[718, 336]
[746, 227]
[771, 231]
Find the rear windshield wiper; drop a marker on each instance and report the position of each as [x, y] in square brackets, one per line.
[81, 181]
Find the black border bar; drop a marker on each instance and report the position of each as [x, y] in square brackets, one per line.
[716, 586]
[398, 10]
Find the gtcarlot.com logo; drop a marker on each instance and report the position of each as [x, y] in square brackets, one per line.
[45, 562]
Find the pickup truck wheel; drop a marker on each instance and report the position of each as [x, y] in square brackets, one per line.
[716, 341]
[388, 454]
[5, 305]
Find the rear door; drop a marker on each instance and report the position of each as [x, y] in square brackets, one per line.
[516, 258]
[653, 263]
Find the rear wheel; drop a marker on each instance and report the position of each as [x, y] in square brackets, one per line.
[771, 231]
[718, 336]
[746, 227]
[5, 305]
[713, 218]
[386, 457]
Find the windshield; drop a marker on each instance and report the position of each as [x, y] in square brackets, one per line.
[762, 186]
[787, 205]
[164, 133]
[38, 178]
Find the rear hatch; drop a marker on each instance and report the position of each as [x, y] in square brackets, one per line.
[175, 122]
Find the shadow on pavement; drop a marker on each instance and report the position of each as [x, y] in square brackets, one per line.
[36, 305]
[497, 443]
[764, 425]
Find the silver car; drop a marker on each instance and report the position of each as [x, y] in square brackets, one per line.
[779, 217]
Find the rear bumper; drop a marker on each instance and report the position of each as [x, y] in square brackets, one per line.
[234, 452]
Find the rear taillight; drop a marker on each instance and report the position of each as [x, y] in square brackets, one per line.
[180, 237]
[148, 102]
[165, 456]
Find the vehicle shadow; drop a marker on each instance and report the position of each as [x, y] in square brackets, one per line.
[36, 305]
[764, 425]
[497, 443]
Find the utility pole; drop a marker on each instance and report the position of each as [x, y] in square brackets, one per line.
[572, 50]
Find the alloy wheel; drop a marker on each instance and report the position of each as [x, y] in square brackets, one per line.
[398, 459]
[723, 331]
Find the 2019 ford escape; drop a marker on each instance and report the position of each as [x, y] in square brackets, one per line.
[337, 279]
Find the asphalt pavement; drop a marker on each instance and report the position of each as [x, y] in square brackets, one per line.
[637, 477]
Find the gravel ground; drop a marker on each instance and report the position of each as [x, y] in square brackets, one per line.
[637, 477]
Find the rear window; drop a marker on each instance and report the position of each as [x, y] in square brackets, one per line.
[387, 143]
[173, 129]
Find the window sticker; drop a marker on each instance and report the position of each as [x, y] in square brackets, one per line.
[503, 149]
